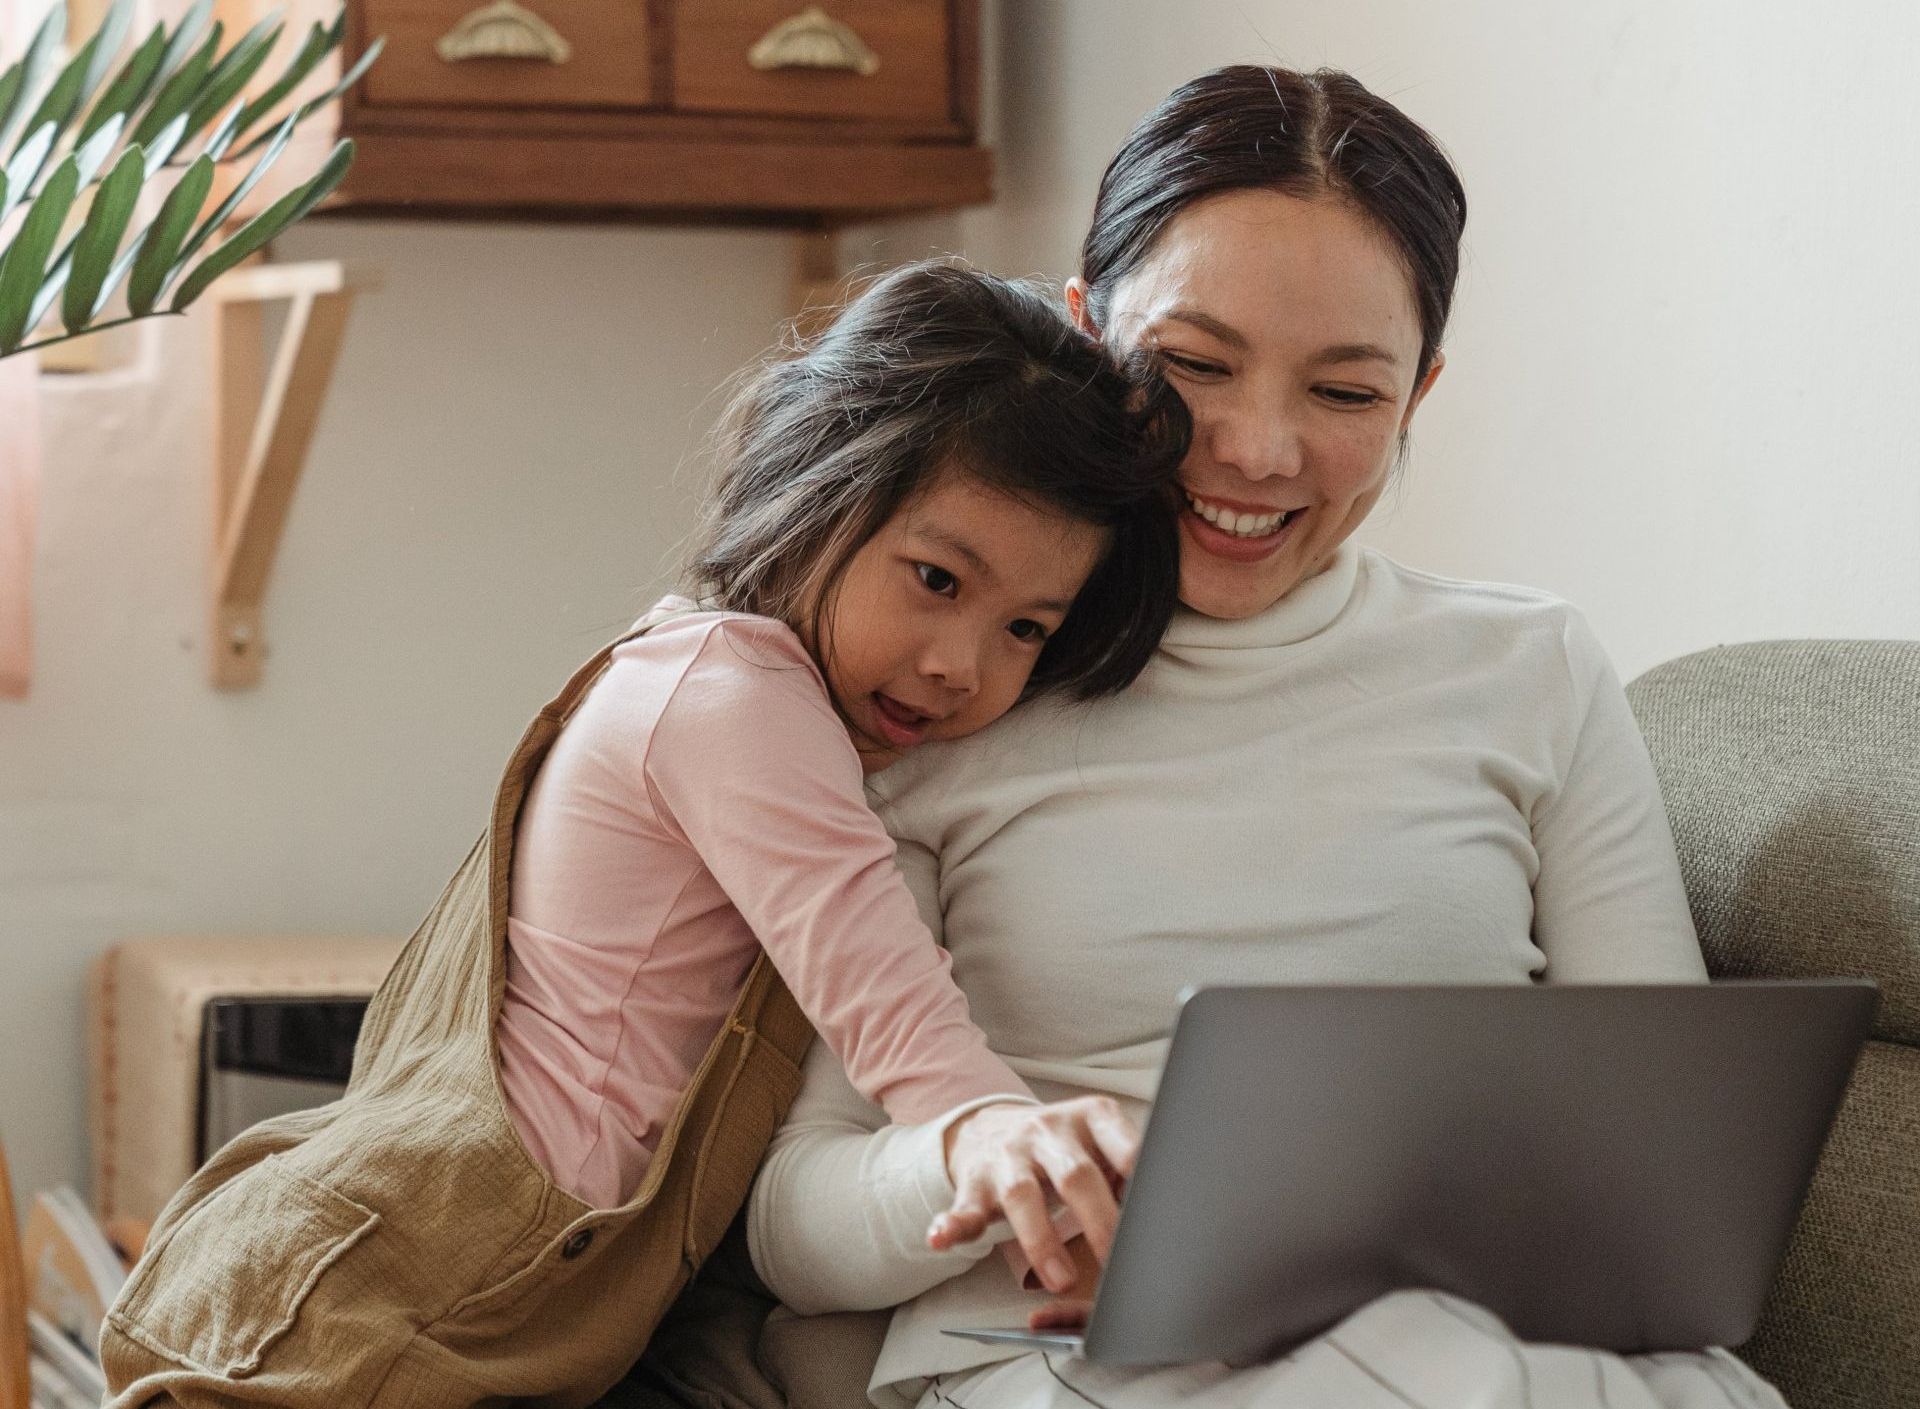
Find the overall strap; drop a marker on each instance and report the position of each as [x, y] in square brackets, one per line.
[441, 1000]
[561, 708]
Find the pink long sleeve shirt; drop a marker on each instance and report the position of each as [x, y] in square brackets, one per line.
[703, 802]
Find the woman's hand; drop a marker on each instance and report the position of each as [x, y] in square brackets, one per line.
[1004, 1159]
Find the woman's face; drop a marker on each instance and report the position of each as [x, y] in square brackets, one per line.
[1289, 327]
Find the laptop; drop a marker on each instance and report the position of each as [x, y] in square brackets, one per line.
[1614, 1166]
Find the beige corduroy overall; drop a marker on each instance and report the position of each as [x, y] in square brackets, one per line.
[399, 1248]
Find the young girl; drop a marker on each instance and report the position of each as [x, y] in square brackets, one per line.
[904, 518]
[948, 503]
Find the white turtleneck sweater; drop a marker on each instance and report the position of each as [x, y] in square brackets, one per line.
[1386, 777]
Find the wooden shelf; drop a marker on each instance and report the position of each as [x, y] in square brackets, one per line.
[459, 173]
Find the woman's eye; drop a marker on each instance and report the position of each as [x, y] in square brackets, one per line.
[1344, 396]
[1193, 366]
[1026, 629]
[937, 579]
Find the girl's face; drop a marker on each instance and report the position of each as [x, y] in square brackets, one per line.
[1289, 328]
[939, 618]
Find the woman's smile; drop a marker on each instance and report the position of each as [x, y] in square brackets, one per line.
[1239, 532]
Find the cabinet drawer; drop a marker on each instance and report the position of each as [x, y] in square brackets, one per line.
[510, 53]
[875, 59]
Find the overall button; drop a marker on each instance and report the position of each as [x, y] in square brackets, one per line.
[577, 1244]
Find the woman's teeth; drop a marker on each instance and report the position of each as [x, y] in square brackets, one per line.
[1239, 525]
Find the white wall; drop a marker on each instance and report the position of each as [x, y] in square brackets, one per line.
[490, 495]
[1680, 380]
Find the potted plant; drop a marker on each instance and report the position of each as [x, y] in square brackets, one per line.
[80, 141]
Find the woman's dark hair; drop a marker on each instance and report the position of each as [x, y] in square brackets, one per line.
[933, 369]
[1302, 134]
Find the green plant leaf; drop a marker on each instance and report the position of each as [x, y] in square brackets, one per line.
[222, 136]
[63, 99]
[25, 75]
[111, 35]
[316, 46]
[155, 267]
[351, 77]
[244, 46]
[26, 165]
[162, 148]
[99, 237]
[12, 82]
[177, 93]
[25, 261]
[174, 85]
[212, 223]
[185, 36]
[233, 73]
[119, 270]
[93, 153]
[130, 85]
[269, 223]
[50, 287]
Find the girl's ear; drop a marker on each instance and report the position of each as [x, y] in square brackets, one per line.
[1077, 306]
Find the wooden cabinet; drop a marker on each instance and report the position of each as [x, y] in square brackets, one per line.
[442, 53]
[769, 110]
[892, 59]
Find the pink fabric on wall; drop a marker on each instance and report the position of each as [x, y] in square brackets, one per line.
[19, 507]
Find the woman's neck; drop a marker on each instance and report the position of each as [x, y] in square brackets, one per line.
[1308, 608]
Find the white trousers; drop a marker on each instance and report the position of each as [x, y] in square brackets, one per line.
[1409, 1350]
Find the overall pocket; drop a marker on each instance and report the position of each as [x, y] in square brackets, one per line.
[230, 1278]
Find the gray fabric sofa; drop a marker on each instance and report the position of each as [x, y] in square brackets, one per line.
[1791, 771]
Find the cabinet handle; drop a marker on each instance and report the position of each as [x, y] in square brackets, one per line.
[503, 30]
[813, 39]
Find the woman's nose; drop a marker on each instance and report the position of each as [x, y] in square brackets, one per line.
[1261, 443]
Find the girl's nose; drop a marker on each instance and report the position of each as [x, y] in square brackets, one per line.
[954, 661]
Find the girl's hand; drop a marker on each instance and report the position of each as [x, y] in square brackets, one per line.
[1070, 1312]
[1065, 1314]
[1004, 1159]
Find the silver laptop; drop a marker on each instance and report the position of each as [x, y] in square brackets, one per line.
[1611, 1166]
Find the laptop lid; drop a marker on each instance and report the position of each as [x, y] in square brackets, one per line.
[1616, 1166]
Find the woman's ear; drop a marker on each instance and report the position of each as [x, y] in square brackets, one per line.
[1426, 385]
[1077, 306]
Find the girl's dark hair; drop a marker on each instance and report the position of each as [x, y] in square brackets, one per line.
[1302, 134]
[938, 368]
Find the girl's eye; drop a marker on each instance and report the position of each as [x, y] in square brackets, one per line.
[1344, 396]
[937, 579]
[1028, 630]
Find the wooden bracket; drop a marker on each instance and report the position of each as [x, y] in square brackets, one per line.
[16, 1389]
[818, 286]
[265, 418]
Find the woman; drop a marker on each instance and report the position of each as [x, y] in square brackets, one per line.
[1336, 769]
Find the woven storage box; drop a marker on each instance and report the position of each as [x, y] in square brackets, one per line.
[146, 1003]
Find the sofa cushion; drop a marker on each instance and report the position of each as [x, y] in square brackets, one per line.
[1791, 771]
[1841, 1328]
